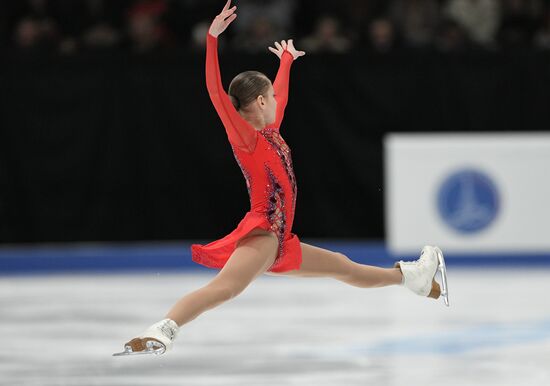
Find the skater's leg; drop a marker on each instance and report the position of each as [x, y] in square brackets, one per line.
[253, 256]
[319, 262]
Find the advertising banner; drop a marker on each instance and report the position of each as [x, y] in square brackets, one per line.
[468, 193]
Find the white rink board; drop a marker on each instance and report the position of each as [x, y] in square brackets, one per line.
[417, 166]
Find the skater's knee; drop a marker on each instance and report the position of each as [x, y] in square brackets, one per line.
[343, 258]
[347, 270]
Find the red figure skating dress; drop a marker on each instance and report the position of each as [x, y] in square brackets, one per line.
[264, 158]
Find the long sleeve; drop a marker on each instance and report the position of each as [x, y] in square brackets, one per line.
[280, 86]
[239, 131]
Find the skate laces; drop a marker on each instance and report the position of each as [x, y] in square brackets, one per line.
[167, 330]
[423, 259]
[417, 263]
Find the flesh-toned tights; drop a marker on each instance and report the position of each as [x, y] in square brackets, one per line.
[253, 257]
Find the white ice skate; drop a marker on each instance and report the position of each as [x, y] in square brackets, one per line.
[157, 339]
[419, 275]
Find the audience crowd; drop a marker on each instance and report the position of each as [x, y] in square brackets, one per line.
[143, 26]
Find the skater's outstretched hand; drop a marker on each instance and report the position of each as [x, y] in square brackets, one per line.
[222, 21]
[286, 45]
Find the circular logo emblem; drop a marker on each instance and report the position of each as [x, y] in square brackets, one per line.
[468, 201]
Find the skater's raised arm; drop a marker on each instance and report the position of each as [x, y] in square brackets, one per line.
[239, 131]
[287, 54]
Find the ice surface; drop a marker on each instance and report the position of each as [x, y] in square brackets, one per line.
[62, 330]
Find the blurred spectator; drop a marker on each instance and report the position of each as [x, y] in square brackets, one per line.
[146, 30]
[100, 35]
[183, 17]
[519, 23]
[35, 29]
[451, 37]
[542, 38]
[479, 18]
[102, 23]
[326, 37]
[261, 33]
[89, 23]
[355, 15]
[261, 22]
[279, 14]
[146, 25]
[198, 35]
[416, 20]
[381, 36]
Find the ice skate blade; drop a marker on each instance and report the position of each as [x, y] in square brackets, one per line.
[128, 352]
[443, 269]
[152, 347]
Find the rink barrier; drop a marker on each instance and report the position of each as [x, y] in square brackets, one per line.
[176, 256]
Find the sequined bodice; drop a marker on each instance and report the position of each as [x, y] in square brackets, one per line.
[270, 180]
[273, 137]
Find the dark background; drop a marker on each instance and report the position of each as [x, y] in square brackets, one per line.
[123, 144]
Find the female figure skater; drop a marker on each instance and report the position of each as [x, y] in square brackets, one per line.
[262, 242]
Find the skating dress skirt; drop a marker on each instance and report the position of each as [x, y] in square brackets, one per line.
[265, 160]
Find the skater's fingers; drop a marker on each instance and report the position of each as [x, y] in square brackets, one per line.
[283, 43]
[227, 5]
[275, 51]
[279, 47]
[228, 13]
[230, 19]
